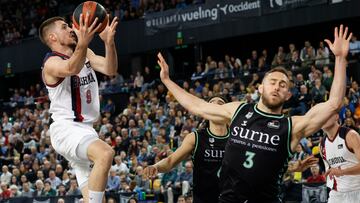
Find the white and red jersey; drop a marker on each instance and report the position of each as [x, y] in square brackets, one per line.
[336, 154]
[74, 97]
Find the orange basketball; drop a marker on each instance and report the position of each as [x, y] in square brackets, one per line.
[95, 10]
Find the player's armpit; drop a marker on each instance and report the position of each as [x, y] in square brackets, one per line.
[311, 122]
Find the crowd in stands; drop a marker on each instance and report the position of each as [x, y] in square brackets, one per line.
[21, 19]
[153, 124]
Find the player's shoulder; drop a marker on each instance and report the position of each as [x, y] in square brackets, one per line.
[352, 134]
[53, 62]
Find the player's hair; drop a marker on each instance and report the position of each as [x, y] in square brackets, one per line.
[218, 96]
[205, 123]
[277, 69]
[44, 27]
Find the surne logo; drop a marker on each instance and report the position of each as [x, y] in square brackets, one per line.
[252, 135]
[214, 153]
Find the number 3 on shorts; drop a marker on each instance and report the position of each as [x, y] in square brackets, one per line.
[248, 163]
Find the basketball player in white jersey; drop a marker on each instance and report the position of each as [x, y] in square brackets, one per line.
[68, 72]
[340, 150]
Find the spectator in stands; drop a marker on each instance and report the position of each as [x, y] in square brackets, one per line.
[167, 182]
[254, 58]
[39, 188]
[139, 81]
[109, 107]
[5, 192]
[322, 55]
[74, 189]
[185, 179]
[348, 108]
[279, 57]
[327, 77]
[318, 92]
[142, 183]
[119, 166]
[61, 200]
[354, 47]
[61, 190]
[26, 190]
[6, 125]
[189, 198]
[53, 180]
[48, 190]
[6, 175]
[198, 74]
[113, 182]
[308, 49]
[181, 199]
[316, 176]
[15, 191]
[354, 92]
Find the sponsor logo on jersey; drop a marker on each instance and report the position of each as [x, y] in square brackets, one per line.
[87, 64]
[274, 124]
[255, 136]
[211, 140]
[336, 160]
[249, 115]
[244, 123]
[340, 146]
[214, 153]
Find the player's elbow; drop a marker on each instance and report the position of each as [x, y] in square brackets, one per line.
[335, 105]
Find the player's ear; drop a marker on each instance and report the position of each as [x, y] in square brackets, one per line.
[260, 88]
[288, 95]
[52, 37]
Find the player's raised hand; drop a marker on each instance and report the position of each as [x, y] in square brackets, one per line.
[150, 171]
[109, 32]
[86, 32]
[164, 73]
[340, 46]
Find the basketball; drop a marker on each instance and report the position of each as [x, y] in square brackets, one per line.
[95, 10]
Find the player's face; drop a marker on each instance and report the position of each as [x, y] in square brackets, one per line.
[330, 122]
[66, 36]
[274, 90]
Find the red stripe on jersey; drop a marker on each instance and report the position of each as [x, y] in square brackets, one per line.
[335, 185]
[75, 98]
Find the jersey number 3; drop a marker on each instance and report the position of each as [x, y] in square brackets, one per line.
[248, 163]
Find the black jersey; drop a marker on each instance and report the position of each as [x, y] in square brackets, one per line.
[257, 153]
[207, 157]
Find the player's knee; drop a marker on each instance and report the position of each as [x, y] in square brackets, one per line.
[108, 155]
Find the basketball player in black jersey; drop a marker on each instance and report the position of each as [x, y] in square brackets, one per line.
[207, 148]
[261, 138]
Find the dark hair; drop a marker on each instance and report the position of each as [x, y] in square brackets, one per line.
[277, 69]
[45, 26]
[219, 96]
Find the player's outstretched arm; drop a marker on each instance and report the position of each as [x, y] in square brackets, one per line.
[57, 67]
[107, 65]
[165, 165]
[302, 165]
[353, 143]
[313, 120]
[209, 111]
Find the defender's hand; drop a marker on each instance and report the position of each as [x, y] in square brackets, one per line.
[164, 73]
[340, 46]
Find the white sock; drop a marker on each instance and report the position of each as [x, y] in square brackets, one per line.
[95, 197]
